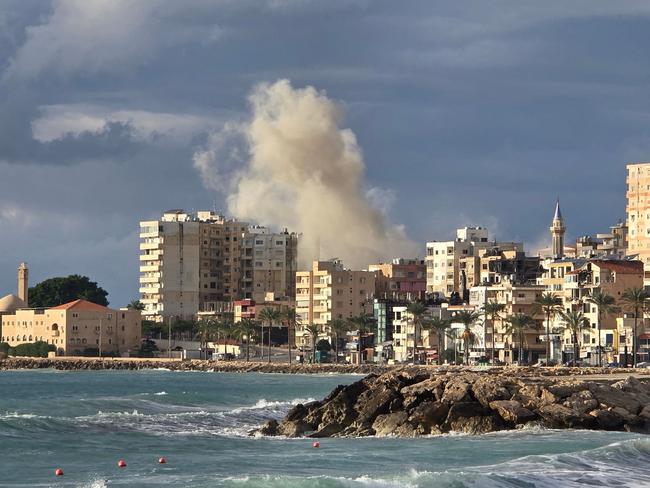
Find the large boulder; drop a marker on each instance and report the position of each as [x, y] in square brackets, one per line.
[512, 411]
[457, 390]
[385, 425]
[560, 417]
[615, 397]
[489, 388]
[581, 401]
[428, 416]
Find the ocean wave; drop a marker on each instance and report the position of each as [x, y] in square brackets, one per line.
[620, 464]
[173, 420]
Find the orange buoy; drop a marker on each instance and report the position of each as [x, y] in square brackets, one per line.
[58, 472]
[315, 444]
[162, 460]
[121, 463]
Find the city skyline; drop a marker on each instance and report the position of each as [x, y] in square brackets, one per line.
[464, 116]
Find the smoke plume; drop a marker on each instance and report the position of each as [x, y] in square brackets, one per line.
[302, 171]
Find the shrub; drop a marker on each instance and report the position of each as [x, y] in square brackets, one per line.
[38, 349]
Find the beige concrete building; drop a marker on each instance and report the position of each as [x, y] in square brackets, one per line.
[401, 279]
[329, 291]
[443, 259]
[200, 262]
[517, 298]
[268, 263]
[74, 327]
[611, 277]
[638, 214]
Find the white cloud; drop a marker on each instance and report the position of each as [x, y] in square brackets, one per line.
[58, 121]
[97, 35]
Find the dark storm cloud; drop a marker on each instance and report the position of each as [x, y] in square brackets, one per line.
[469, 112]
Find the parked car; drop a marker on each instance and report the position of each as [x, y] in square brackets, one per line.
[643, 364]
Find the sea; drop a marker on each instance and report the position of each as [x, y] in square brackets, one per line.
[84, 422]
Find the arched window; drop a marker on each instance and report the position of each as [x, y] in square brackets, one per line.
[55, 327]
[25, 338]
[83, 341]
[30, 338]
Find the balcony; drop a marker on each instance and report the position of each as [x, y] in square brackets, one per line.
[150, 245]
[151, 266]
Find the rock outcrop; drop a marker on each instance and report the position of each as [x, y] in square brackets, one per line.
[415, 402]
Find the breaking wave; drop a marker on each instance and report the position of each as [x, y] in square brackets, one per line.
[620, 464]
[169, 420]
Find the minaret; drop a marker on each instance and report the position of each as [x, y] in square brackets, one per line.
[557, 233]
[23, 283]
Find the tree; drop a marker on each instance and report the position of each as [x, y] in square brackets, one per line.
[467, 318]
[135, 305]
[245, 330]
[313, 330]
[416, 311]
[225, 329]
[271, 316]
[636, 300]
[363, 324]
[56, 291]
[440, 326]
[575, 321]
[206, 330]
[517, 326]
[550, 305]
[493, 309]
[606, 305]
[289, 314]
[338, 328]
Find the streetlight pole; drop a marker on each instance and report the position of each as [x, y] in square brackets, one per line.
[169, 338]
[100, 338]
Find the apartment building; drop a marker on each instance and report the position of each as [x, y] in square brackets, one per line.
[610, 277]
[269, 263]
[330, 291]
[74, 327]
[401, 279]
[494, 264]
[443, 260]
[200, 262]
[638, 214]
[517, 298]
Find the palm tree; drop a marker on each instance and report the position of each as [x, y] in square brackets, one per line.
[289, 314]
[135, 305]
[467, 318]
[313, 330]
[245, 330]
[205, 330]
[441, 326]
[221, 331]
[606, 305]
[363, 324]
[271, 316]
[575, 321]
[517, 325]
[550, 305]
[493, 309]
[417, 311]
[338, 328]
[635, 299]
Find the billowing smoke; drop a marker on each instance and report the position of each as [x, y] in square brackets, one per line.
[302, 171]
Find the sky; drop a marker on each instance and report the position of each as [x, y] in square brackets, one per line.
[465, 113]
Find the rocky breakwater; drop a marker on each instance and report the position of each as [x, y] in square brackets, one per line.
[411, 403]
[95, 364]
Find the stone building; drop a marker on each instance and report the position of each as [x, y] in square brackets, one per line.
[75, 327]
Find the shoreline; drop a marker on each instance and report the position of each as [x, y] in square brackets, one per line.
[135, 364]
